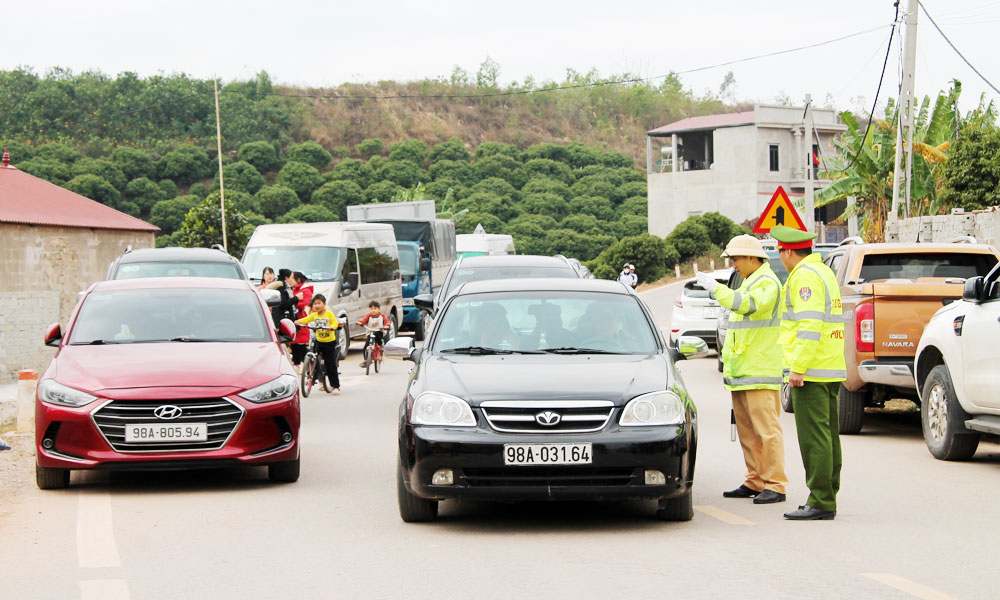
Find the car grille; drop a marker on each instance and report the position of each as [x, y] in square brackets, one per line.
[221, 415]
[570, 416]
[574, 476]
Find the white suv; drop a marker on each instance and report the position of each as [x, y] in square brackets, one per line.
[956, 372]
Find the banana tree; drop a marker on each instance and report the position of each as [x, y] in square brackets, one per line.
[869, 177]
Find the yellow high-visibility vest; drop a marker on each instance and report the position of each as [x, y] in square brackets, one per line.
[751, 355]
[812, 324]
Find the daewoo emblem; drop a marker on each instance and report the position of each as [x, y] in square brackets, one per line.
[167, 412]
[548, 418]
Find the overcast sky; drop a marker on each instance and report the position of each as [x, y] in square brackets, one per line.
[324, 43]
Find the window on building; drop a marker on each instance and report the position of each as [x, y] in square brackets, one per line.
[773, 156]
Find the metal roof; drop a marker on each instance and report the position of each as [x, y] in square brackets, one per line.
[705, 122]
[28, 200]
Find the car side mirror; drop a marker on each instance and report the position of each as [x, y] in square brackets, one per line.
[425, 264]
[400, 348]
[689, 346]
[53, 335]
[424, 302]
[973, 290]
[271, 297]
[286, 331]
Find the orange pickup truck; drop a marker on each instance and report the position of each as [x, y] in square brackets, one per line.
[890, 292]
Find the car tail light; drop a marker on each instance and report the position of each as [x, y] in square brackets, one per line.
[678, 302]
[864, 328]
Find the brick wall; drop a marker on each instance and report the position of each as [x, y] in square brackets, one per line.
[984, 225]
[23, 319]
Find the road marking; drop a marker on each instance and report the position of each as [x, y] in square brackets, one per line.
[910, 587]
[95, 536]
[104, 589]
[723, 515]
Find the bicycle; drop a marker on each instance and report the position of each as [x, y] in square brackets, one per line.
[312, 365]
[373, 351]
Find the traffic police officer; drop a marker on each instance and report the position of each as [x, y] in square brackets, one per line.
[752, 368]
[812, 338]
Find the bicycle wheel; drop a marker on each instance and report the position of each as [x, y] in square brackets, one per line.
[368, 359]
[378, 359]
[321, 373]
[305, 378]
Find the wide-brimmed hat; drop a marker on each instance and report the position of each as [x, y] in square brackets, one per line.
[744, 245]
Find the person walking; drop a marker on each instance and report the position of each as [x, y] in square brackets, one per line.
[752, 368]
[812, 339]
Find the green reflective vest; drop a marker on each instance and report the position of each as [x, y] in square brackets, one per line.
[812, 324]
[751, 355]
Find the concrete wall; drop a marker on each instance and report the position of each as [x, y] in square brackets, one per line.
[60, 260]
[984, 225]
[23, 319]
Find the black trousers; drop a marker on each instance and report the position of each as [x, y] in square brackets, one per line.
[379, 337]
[298, 353]
[328, 352]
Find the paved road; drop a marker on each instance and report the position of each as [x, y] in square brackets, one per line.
[908, 526]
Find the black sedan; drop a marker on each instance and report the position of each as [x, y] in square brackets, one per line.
[540, 389]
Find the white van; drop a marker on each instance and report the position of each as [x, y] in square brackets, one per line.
[483, 244]
[351, 264]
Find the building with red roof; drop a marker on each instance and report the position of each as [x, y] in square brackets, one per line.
[53, 244]
[732, 163]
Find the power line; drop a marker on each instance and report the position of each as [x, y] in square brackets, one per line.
[878, 90]
[960, 55]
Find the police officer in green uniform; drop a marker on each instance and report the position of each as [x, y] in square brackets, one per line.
[812, 340]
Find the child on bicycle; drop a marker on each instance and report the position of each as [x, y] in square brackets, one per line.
[375, 319]
[326, 337]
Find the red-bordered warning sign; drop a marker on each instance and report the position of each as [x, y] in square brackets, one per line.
[779, 211]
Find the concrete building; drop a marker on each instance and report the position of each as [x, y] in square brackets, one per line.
[53, 244]
[733, 163]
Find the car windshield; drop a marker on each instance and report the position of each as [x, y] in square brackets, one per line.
[178, 269]
[407, 261]
[318, 263]
[521, 272]
[544, 322]
[914, 265]
[164, 315]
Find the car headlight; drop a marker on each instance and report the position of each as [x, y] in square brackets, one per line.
[276, 389]
[658, 408]
[433, 408]
[53, 392]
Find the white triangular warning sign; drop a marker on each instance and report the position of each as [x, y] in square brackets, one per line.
[779, 211]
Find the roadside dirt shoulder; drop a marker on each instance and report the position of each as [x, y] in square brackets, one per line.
[15, 470]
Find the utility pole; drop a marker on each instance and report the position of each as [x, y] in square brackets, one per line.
[222, 188]
[807, 128]
[906, 107]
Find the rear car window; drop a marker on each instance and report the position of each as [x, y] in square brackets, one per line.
[177, 269]
[930, 264]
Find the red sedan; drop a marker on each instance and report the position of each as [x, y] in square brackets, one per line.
[167, 373]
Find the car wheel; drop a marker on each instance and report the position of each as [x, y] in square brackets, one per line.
[48, 478]
[393, 327]
[413, 509]
[423, 326]
[943, 419]
[284, 472]
[344, 341]
[852, 409]
[676, 509]
[786, 398]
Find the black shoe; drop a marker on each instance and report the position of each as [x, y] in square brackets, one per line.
[740, 492]
[808, 513]
[769, 497]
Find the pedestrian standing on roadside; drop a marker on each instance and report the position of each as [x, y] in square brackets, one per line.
[303, 292]
[752, 368]
[628, 276]
[812, 339]
[266, 278]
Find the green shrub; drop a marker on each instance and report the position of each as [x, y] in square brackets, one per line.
[636, 205]
[630, 225]
[690, 238]
[454, 149]
[382, 191]
[720, 228]
[556, 152]
[581, 155]
[241, 176]
[467, 222]
[370, 147]
[487, 202]
[652, 256]
[404, 173]
[300, 178]
[185, 165]
[337, 196]
[597, 185]
[633, 189]
[310, 153]
[545, 203]
[546, 167]
[376, 162]
[496, 148]
[58, 151]
[308, 213]
[105, 169]
[198, 189]
[276, 200]
[261, 155]
[584, 224]
[202, 226]
[340, 151]
[48, 169]
[95, 188]
[616, 159]
[169, 188]
[411, 150]
[592, 205]
[144, 192]
[19, 151]
[351, 169]
[498, 186]
[502, 166]
[135, 163]
[168, 215]
[543, 185]
[460, 171]
[240, 201]
[438, 189]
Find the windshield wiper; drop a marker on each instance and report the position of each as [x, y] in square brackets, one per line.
[479, 350]
[574, 350]
[99, 342]
[183, 338]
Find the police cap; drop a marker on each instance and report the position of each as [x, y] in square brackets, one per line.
[792, 239]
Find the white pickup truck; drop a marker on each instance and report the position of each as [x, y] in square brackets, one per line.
[956, 371]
